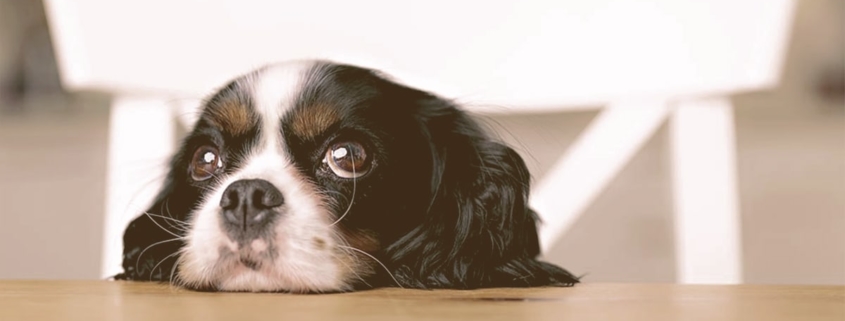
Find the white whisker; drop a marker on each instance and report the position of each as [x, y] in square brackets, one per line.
[160, 262]
[173, 270]
[351, 199]
[374, 259]
[162, 227]
[150, 246]
[180, 225]
[354, 272]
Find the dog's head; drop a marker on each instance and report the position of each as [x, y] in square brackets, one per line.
[313, 176]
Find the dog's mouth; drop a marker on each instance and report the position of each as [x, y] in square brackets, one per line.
[246, 256]
[250, 263]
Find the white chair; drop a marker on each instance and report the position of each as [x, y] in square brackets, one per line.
[643, 62]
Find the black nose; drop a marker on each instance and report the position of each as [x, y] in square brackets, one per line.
[248, 204]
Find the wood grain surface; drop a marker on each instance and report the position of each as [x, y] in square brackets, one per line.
[126, 301]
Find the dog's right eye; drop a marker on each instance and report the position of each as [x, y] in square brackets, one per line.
[347, 159]
[205, 163]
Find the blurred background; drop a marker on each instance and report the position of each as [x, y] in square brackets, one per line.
[790, 167]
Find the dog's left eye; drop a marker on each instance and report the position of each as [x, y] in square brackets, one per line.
[347, 159]
[205, 163]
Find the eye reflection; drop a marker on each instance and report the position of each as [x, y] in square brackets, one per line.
[205, 163]
[347, 159]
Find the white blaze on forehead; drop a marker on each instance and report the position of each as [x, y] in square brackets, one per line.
[274, 93]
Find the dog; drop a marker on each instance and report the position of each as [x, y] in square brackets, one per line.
[315, 176]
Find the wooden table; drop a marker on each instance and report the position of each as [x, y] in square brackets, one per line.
[102, 300]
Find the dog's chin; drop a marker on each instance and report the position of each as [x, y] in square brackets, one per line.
[234, 274]
[287, 262]
[242, 277]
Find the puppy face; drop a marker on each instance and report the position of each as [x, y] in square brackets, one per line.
[312, 176]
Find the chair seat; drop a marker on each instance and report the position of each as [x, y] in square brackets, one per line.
[497, 55]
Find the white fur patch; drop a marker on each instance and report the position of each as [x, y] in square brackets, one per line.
[297, 265]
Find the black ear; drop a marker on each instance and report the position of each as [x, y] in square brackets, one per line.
[153, 239]
[147, 250]
[479, 231]
[150, 242]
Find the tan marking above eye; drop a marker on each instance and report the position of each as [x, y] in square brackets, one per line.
[231, 116]
[311, 121]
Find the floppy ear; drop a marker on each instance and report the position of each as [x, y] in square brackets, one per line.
[147, 249]
[478, 231]
[151, 240]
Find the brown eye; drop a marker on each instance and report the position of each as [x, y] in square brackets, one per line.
[205, 163]
[347, 159]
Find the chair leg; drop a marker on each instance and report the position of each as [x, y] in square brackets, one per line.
[707, 222]
[141, 141]
[602, 150]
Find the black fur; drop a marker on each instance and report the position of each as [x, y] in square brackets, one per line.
[447, 202]
[479, 231]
